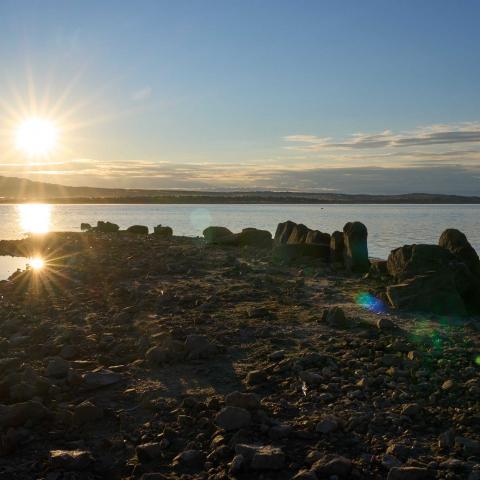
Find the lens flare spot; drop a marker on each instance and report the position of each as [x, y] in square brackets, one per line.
[477, 360]
[370, 302]
[37, 263]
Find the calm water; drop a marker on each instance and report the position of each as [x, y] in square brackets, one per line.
[389, 226]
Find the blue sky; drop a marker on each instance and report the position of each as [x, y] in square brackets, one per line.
[246, 94]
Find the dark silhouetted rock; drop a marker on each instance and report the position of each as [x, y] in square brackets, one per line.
[337, 246]
[356, 250]
[253, 237]
[410, 473]
[233, 418]
[315, 236]
[411, 260]
[299, 234]
[378, 268]
[138, 229]
[85, 226]
[289, 252]
[283, 232]
[106, 227]
[434, 292]
[456, 242]
[70, 459]
[19, 413]
[164, 232]
[214, 235]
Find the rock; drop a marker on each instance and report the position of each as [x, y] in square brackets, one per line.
[268, 458]
[328, 424]
[434, 293]
[100, 378]
[356, 250]
[85, 226]
[337, 246]
[18, 414]
[163, 232]
[147, 452]
[248, 401]
[336, 318]
[236, 465]
[233, 418]
[456, 243]
[292, 252]
[70, 459]
[215, 235]
[410, 473]
[57, 368]
[279, 432]
[328, 466]
[378, 268]
[169, 351]
[299, 234]
[469, 446]
[253, 237]
[138, 229]
[69, 352]
[193, 459]
[283, 232]
[199, 346]
[385, 324]
[106, 227]
[446, 440]
[315, 236]
[411, 409]
[86, 412]
[448, 385]
[305, 475]
[256, 377]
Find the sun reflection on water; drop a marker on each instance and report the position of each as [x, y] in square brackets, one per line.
[34, 217]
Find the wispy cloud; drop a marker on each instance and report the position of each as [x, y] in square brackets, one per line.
[452, 134]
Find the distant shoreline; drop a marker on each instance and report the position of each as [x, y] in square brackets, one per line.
[253, 200]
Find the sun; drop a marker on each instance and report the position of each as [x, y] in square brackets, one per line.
[36, 136]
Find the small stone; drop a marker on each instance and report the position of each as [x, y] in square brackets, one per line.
[268, 458]
[469, 446]
[328, 466]
[99, 379]
[70, 459]
[336, 318]
[149, 451]
[410, 473]
[86, 412]
[277, 356]
[256, 377]
[411, 409]
[328, 424]
[237, 464]
[305, 475]
[194, 459]
[199, 346]
[385, 324]
[57, 368]
[242, 400]
[279, 431]
[233, 418]
[448, 385]
[446, 440]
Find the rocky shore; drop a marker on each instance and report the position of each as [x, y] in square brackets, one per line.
[148, 356]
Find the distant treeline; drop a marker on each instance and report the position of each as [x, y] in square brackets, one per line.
[263, 198]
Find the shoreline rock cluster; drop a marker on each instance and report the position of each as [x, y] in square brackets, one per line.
[144, 357]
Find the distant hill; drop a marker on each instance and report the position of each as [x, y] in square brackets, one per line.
[14, 190]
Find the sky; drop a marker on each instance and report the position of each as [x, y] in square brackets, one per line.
[374, 96]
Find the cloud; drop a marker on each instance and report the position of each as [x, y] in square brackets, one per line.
[454, 134]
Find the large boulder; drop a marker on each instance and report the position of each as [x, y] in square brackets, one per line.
[293, 252]
[411, 260]
[216, 235]
[253, 237]
[163, 231]
[299, 234]
[138, 229]
[336, 247]
[283, 232]
[356, 250]
[315, 236]
[456, 243]
[433, 292]
[106, 227]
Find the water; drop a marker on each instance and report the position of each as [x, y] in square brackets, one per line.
[9, 265]
[389, 226]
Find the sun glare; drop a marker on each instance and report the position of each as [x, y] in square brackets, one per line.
[34, 218]
[36, 263]
[36, 136]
